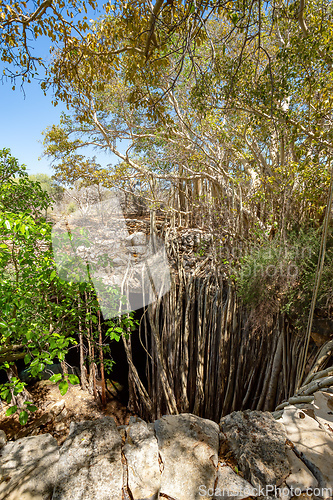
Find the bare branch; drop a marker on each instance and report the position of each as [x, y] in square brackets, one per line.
[301, 20]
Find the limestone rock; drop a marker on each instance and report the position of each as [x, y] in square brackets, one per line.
[28, 468]
[141, 453]
[3, 438]
[118, 262]
[231, 486]
[300, 477]
[188, 446]
[312, 441]
[258, 443]
[139, 249]
[90, 462]
[137, 238]
[323, 410]
[176, 458]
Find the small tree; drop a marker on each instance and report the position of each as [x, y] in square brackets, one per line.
[42, 314]
[31, 320]
[52, 188]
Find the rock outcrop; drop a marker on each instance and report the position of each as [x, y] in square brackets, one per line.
[258, 443]
[178, 457]
[28, 468]
[99, 239]
[188, 446]
[90, 463]
[312, 444]
[142, 457]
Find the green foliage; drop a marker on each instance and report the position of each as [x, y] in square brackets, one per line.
[108, 365]
[13, 387]
[19, 193]
[23, 418]
[27, 273]
[279, 275]
[21, 21]
[124, 326]
[73, 379]
[39, 317]
[23, 415]
[31, 323]
[56, 377]
[63, 387]
[11, 410]
[48, 185]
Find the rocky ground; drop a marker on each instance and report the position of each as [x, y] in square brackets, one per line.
[178, 457]
[56, 412]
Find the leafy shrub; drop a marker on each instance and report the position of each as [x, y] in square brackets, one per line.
[279, 276]
[70, 208]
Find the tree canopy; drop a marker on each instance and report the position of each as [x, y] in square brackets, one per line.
[22, 23]
[244, 106]
[220, 115]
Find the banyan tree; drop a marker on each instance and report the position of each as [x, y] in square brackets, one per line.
[224, 136]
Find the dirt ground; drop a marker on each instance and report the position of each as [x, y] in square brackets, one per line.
[79, 405]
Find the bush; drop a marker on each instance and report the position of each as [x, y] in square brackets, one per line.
[279, 276]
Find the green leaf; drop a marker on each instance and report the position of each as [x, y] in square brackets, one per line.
[27, 359]
[7, 395]
[11, 410]
[32, 408]
[29, 335]
[234, 18]
[63, 387]
[73, 379]
[56, 377]
[53, 275]
[23, 418]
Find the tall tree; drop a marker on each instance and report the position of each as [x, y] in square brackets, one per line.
[248, 123]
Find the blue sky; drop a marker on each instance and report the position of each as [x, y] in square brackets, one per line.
[22, 121]
[23, 117]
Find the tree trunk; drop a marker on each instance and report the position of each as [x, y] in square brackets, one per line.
[101, 359]
[83, 370]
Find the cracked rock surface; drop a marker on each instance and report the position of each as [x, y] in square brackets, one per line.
[175, 458]
[189, 451]
[28, 468]
[312, 442]
[258, 443]
[90, 462]
[300, 476]
[142, 459]
[230, 485]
